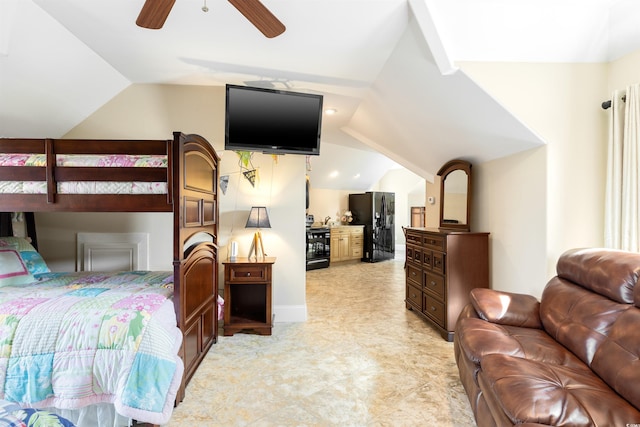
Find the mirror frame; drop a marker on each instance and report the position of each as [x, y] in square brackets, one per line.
[446, 169]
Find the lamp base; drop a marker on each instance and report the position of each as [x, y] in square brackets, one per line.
[257, 242]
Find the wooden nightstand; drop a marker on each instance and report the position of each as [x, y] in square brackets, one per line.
[247, 295]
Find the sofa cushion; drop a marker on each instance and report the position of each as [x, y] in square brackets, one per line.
[506, 308]
[478, 338]
[617, 360]
[528, 391]
[607, 272]
[577, 318]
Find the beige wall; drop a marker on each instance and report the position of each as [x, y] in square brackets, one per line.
[623, 72]
[325, 203]
[540, 203]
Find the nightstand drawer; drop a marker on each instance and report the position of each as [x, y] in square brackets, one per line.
[247, 273]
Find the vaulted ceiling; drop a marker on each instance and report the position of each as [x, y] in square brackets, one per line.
[387, 66]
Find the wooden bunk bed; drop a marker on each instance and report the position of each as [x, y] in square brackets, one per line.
[184, 182]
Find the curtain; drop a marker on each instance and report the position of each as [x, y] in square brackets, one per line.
[622, 204]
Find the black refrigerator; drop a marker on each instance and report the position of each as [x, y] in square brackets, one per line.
[375, 210]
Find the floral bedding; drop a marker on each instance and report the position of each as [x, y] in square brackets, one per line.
[69, 340]
[81, 187]
[86, 160]
[12, 415]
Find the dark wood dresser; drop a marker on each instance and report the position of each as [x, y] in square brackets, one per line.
[442, 266]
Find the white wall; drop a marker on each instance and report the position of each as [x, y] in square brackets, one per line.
[154, 112]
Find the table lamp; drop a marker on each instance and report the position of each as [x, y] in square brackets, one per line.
[258, 218]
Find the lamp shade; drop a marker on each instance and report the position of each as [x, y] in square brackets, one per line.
[258, 218]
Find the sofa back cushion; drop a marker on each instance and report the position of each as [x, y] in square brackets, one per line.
[617, 360]
[608, 272]
[592, 289]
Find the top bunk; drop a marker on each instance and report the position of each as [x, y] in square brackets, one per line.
[101, 175]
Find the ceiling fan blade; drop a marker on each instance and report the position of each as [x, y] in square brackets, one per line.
[154, 13]
[259, 16]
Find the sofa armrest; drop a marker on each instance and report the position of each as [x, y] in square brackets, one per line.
[506, 308]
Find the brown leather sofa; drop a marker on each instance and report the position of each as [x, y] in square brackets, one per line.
[570, 359]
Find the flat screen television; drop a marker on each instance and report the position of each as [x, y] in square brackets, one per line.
[272, 121]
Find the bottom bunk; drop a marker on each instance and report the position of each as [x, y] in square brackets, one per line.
[73, 341]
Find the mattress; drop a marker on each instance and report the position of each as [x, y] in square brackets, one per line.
[85, 187]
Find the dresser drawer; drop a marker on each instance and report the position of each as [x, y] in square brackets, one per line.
[434, 309]
[427, 259]
[414, 238]
[414, 276]
[414, 254]
[434, 284]
[434, 241]
[247, 273]
[437, 262]
[414, 296]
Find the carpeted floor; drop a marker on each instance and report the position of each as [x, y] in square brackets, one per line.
[361, 359]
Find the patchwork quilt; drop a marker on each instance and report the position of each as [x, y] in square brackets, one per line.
[69, 340]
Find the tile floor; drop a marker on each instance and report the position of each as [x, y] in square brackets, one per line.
[361, 359]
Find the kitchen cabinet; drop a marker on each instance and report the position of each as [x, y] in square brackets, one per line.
[346, 243]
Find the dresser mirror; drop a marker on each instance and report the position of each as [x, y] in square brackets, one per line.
[455, 195]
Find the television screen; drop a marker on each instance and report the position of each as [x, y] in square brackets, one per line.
[272, 121]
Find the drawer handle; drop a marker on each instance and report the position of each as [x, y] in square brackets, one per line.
[413, 273]
[413, 295]
[248, 274]
[432, 283]
[433, 308]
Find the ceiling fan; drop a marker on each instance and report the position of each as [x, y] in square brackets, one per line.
[155, 12]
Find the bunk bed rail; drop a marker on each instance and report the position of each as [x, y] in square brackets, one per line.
[39, 162]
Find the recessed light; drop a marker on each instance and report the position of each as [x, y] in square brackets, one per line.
[334, 174]
[330, 111]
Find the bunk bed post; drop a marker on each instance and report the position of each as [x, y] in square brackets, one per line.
[6, 227]
[51, 164]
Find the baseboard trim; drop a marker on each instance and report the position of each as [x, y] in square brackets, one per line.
[290, 313]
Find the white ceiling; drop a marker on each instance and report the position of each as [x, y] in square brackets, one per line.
[387, 66]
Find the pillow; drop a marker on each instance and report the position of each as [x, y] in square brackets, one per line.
[33, 260]
[13, 270]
